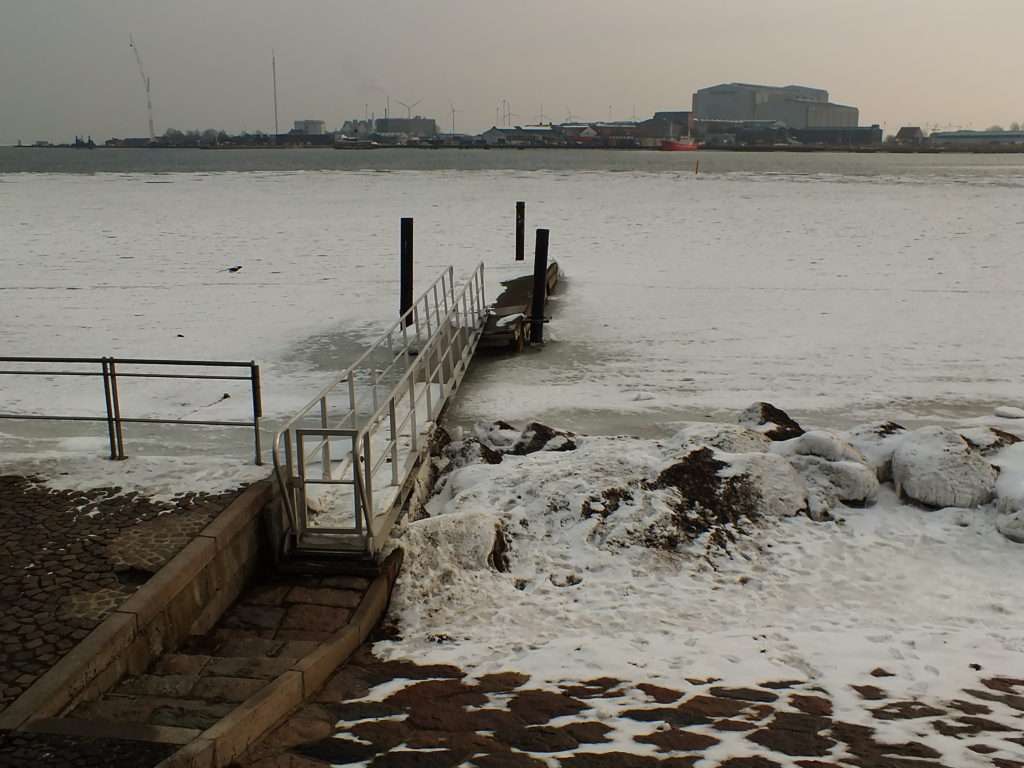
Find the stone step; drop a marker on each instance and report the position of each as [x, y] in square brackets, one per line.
[101, 729]
[241, 645]
[154, 710]
[204, 688]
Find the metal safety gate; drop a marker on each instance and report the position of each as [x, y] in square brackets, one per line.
[345, 462]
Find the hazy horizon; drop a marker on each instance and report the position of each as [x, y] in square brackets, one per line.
[68, 69]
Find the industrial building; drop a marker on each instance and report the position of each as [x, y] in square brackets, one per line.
[421, 127]
[310, 127]
[977, 138]
[795, 106]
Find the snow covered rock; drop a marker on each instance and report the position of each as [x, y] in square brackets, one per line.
[827, 445]
[877, 442]
[1011, 525]
[773, 422]
[703, 494]
[436, 547]
[730, 438]
[831, 482]
[1010, 485]
[1009, 412]
[937, 467]
[498, 436]
[721, 488]
[988, 440]
[541, 437]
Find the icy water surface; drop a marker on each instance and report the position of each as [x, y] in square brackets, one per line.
[840, 287]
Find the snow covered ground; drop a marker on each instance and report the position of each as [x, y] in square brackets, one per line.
[592, 586]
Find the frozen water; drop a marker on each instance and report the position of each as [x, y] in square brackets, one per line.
[840, 298]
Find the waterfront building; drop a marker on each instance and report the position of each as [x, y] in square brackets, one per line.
[310, 127]
[863, 136]
[420, 127]
[910, 135]
[796, 106]
[359, 129]
[978, 138]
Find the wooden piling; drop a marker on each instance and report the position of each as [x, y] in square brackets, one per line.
[540, 287]
[406, 270]
[520, 231]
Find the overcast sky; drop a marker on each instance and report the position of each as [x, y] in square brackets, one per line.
[66, 67]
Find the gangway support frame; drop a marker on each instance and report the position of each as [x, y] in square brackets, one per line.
[346, 463]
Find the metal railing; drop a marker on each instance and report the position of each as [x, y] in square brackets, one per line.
[342, 461]
[111, 374]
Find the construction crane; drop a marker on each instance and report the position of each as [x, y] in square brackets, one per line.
[145, 82]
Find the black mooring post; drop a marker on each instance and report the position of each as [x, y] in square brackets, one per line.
[540, 287]
[406, 289]
[520, 231]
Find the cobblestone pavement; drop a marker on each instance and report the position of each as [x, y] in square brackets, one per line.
[68, 558]
[398, 714]
[38, 750]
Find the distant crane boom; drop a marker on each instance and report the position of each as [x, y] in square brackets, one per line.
[145, 82]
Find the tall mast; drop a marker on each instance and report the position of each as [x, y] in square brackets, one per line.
[145, 82]
[273, 66]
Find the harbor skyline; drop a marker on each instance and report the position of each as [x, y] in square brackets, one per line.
[73, 73]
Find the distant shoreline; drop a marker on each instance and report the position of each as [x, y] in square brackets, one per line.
[1001, 149]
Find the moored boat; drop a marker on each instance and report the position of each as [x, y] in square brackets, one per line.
[356, 144]
[679, 145]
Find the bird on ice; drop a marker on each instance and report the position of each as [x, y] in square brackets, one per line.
[232, 269]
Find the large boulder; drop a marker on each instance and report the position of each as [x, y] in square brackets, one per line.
[502, 437]
[498, 436]
[728, 486]
[935, 466]
[730, 438]
[707, 495]
[877, 442]
[988, 440]
[541, 437]
[772, 422]
[831, 482]
[1009, 412]
[1011, 525]
[462, 541]
[830, 446]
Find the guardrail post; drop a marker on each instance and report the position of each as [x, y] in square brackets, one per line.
[357, 485]
[520, 231]
[118, 428]
[110, 408]
[325, 452]
[257, 410]
[352, 399]
[393, 419]
[368, 474]
[406, 269]
[414, 431]
[540, 287]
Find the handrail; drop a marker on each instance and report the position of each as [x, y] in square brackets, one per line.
[403, 322]
[110, 374]
[423, 339]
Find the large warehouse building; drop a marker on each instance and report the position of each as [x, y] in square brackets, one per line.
[793, 105]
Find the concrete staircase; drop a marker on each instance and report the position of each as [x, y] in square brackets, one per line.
[270, 629]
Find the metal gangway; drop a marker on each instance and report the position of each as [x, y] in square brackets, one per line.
[347, 461]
